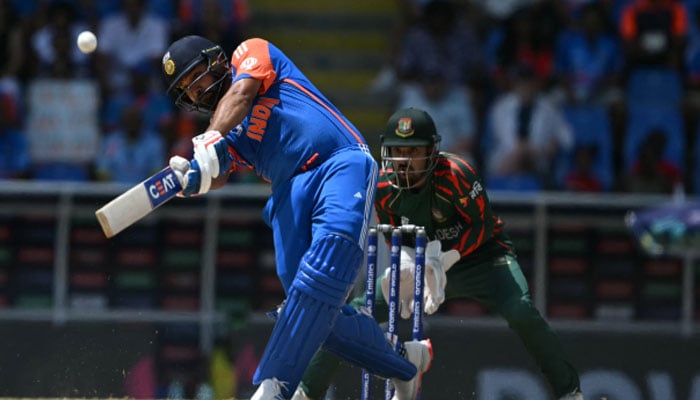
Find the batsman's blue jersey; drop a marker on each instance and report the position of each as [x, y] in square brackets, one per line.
[291, 127]
[323, 183]
[323, 177]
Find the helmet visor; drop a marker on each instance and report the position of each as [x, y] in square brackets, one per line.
[190, 97]
[408, 169]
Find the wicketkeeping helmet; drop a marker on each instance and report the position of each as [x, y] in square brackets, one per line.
[409, 127]
[184, 55]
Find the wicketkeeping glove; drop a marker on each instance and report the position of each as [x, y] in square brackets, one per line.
[406, 282]
[437, 263]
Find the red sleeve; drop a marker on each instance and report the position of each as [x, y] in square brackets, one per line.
[461, 186]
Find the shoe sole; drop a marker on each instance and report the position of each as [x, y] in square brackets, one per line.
[430, 364]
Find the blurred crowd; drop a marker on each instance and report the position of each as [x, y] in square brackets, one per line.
[571, 95]
[104, 116]
[574, 95]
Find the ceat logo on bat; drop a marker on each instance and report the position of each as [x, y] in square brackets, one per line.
[162, 186]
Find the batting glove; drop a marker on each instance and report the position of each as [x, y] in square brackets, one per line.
[212, 153]
[189, 173]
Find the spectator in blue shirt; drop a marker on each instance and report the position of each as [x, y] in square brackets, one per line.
[132, 153]
[588, 60]
[158, 112]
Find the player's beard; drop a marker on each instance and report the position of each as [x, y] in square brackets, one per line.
[409, 178]
[209, 98]
[206, 99]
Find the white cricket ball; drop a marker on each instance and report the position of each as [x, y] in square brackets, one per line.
[87, 42]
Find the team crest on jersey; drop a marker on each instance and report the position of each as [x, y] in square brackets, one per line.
[249, 63]
[404, 127]
[168, 64]
[437, 215]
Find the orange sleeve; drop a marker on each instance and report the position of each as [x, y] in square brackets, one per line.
[252, 58]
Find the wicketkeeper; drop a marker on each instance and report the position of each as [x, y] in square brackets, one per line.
[469, 255]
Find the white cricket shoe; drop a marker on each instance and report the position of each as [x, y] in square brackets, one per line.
[577, 395]
[299, 394]
[420, 354]
[269, 389]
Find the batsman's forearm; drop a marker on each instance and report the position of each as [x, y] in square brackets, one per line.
[220, 180]
[229, 113]
[234, 105]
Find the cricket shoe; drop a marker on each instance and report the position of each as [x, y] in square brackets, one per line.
[575, 395]
[420, 354]
[300, 395]
[269, 389]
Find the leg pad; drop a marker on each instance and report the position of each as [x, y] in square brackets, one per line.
[325, 276]
[358, 339]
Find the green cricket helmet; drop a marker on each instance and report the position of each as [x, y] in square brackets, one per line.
[409, 127]
[181, 58]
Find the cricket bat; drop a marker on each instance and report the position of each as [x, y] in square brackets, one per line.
[137, 202]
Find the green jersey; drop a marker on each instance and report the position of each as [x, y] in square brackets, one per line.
[452, 206]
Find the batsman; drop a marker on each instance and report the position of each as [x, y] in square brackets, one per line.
[266, 115]
[468, 256]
